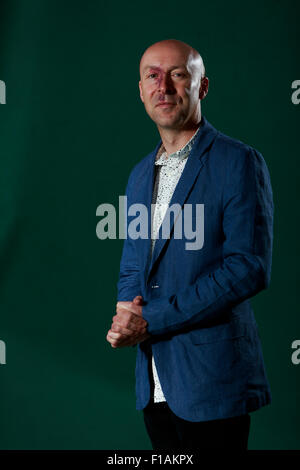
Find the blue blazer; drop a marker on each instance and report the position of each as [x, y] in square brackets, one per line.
[204, 336]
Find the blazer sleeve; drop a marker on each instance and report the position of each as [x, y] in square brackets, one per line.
[129, 276]
[247, 252]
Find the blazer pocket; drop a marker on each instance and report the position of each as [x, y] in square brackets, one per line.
[217, 333]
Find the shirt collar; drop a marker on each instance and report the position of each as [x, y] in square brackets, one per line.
[181, 154]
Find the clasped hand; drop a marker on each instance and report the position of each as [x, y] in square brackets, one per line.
[128, 327]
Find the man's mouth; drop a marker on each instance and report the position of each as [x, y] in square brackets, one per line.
[165, 104]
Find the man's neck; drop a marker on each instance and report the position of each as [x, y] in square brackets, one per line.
[175, 139]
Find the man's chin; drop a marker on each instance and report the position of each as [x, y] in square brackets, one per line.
[169, 125]
[166, 122]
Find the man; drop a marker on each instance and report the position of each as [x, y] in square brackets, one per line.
[200, 369]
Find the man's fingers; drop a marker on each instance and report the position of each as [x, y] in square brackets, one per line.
[117, 340]
[129, 320]
[122, 329]
[114, 335]
[113, 338]
[128, 327]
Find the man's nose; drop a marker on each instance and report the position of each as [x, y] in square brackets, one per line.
[165, 84]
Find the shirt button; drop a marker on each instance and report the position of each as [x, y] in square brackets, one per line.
[154, 286]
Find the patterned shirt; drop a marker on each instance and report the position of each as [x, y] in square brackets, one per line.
[168, 175]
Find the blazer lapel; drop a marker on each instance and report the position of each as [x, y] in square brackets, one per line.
[145, 196]
[189, 175]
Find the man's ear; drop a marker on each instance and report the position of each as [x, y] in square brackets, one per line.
[204, 88]
[141, 93]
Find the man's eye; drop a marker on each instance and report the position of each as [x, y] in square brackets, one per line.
[177, 74]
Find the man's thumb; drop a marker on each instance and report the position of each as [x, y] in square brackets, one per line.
[138, 300]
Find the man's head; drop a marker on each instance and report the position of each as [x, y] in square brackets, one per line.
[172, 72]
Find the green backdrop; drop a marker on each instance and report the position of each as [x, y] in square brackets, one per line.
[72, 128]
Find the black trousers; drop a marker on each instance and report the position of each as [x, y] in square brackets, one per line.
[168, 431]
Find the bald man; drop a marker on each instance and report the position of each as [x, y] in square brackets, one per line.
[186, 305]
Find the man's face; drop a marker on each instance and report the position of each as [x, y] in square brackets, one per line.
[169, 85]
